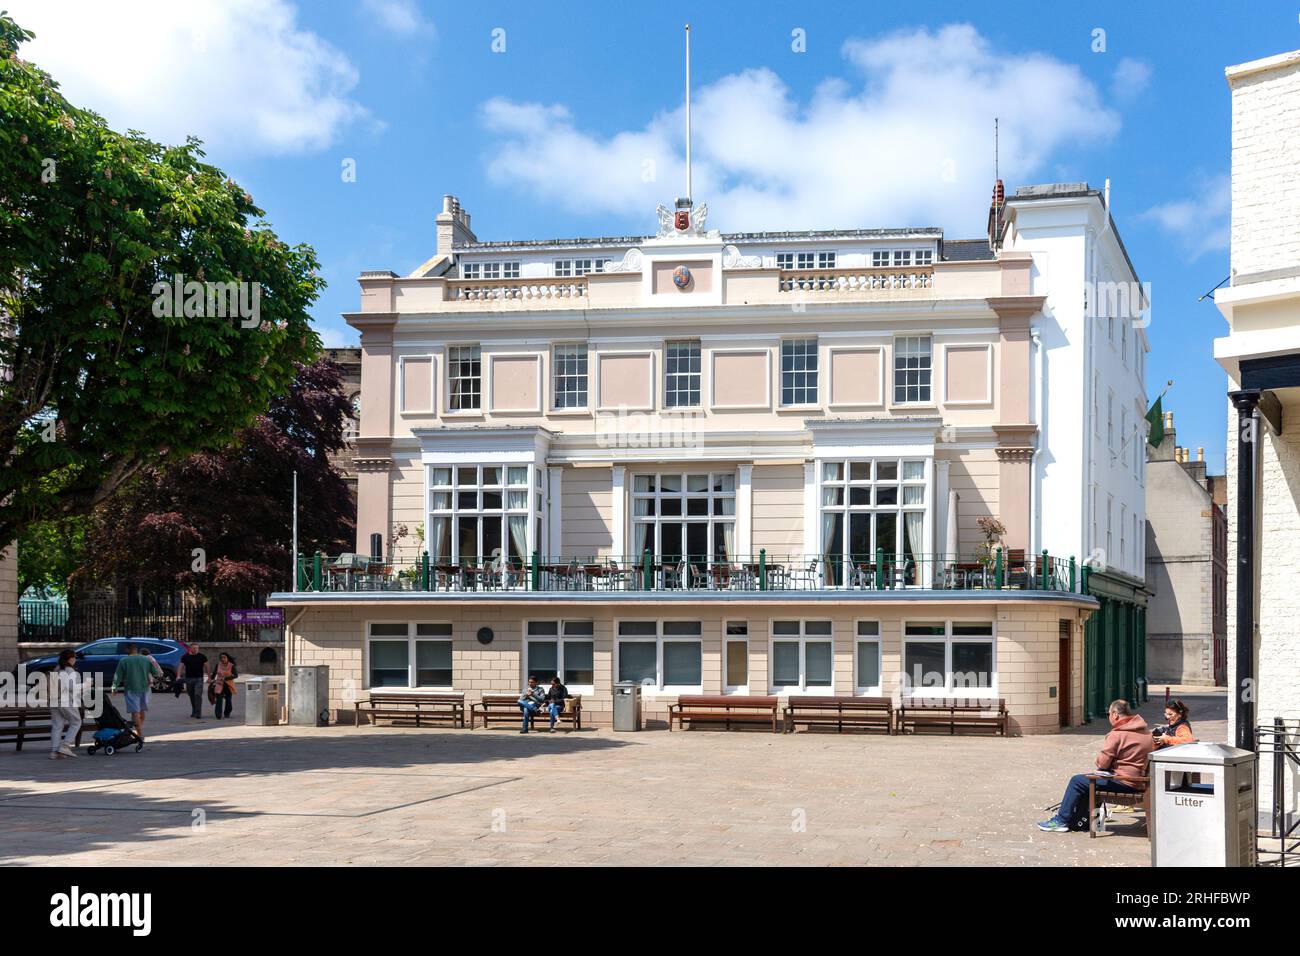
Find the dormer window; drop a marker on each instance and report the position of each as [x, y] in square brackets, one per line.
[805, 260]
[571, 268]
[490, 270]
[901, 258]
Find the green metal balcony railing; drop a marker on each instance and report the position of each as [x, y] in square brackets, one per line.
[1004, 569]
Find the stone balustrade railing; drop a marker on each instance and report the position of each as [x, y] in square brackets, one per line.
[840, 281]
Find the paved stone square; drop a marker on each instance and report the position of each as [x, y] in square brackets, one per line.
[341, 795]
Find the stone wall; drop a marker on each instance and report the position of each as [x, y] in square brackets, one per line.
[9, 607]
[1027, 648]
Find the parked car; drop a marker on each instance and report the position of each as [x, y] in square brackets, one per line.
[101, 657]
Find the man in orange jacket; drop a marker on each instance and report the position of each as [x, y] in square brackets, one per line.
[1123, 754]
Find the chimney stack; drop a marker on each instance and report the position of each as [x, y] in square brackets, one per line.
[453, 226]
[997, 216]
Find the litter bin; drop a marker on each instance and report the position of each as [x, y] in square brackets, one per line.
[627, 705]
[309, 695]
[1203, 807]
[263, 701]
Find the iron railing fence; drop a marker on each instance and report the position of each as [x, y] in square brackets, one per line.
[764, 571]
[92, 619]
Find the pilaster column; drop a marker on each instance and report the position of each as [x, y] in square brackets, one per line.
[374, 444]
[1017, 434]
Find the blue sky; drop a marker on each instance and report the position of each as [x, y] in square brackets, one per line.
[884, 118]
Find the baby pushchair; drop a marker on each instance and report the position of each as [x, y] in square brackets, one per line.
[114, 732]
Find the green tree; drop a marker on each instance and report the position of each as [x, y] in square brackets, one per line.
[101, 374]
[50, 552]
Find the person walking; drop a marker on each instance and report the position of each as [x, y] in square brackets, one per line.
[135, 673]
[222, 686]
[65, 706]
[194, 668]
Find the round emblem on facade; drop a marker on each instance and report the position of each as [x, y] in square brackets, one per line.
[485, 635]
[681, 277]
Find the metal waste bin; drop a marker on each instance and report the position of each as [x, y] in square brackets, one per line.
[309, 695]
[1203, 806]
[262, 696]
[627, 705]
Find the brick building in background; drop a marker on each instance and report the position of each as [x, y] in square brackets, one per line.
[1187, 566]
[350, 360]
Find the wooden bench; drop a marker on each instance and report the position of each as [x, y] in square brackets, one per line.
[725, 709]
[504, 708]
[954, 714]
[399, 705]
[840, 712]
[1098, 797]
[21, 724]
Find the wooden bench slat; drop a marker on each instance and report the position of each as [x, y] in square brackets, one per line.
[404, 705]
[505, 707]
[724, 708]
[958, 712]
[866, 712]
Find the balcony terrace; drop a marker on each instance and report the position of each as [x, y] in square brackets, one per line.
[748, 578]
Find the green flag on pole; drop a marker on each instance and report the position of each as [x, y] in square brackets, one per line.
[1156, 417]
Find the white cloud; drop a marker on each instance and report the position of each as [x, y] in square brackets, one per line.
[1130, 79]
[1201, 223]
[907, 141]
[402, 17]
[333, 337]
[242, 75]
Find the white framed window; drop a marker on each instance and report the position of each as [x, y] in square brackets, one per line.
[802, 657]
[508, 269]
[913, 370]
[735, 658]
[866, 659]
[1123, 342]
[1096, 404]
[569, 366]
[872, 504]
[949, 658]
[1124, 436]
[1110, 418]
[1123, 535]
[561, 648]
[799, 372]
[464, 378]
[1110, 514]
[682, 374]
[478, 513]
[660, 655]
[806, 260]
[409, 654]
[685, 516]
[569, 268]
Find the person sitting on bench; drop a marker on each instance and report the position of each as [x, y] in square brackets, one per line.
[530, 699]
[1123, 754]
[556, 694]
[1178, 730]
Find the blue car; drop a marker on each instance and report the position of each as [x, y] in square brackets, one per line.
[101, 657]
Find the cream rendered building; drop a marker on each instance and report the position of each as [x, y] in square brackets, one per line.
[1261, 355]
[708, 463]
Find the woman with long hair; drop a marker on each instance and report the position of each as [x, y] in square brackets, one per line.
[65, 706]
[1177, 730]
[222, 687]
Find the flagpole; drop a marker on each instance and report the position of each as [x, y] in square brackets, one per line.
[688, 111]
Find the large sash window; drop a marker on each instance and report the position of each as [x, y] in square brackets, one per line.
[478, 513]
[869, 506]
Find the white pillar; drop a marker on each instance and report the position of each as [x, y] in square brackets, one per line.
[744, 510]
[811, 518]
[618, 511]
[555, 513]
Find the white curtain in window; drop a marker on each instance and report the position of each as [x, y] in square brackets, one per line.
[519, 538]
[439, 540]
[728, 532]
[914, 523]
[640, 534]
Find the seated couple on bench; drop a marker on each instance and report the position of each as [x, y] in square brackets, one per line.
[1123, 761]
[533, 698]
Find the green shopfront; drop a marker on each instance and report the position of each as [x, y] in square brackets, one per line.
[1114, 648]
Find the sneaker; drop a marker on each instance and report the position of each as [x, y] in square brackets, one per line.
[67, 751]
[1053, 826]
[55, 755]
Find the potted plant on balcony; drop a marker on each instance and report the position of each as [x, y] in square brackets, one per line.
[986, 553]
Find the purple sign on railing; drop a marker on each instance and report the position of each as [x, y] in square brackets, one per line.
[263, 616]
